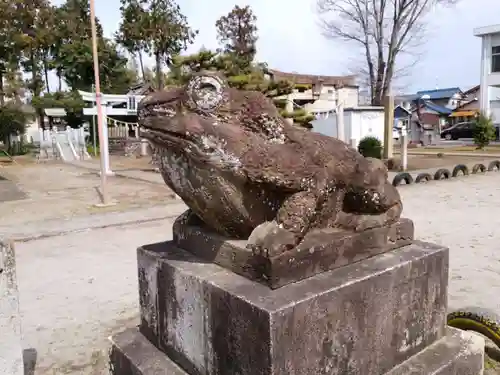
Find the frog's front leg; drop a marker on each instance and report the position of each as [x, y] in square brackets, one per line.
[286, 231]
[293, 221]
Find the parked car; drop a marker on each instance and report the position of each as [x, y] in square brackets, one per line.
[460, 130]
[465, 130]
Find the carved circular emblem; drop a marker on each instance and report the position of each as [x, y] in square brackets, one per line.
[205, 92]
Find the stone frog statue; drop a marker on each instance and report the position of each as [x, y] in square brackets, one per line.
[239, 166]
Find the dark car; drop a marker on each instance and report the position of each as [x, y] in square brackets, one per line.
[465, 130]
[460, 130]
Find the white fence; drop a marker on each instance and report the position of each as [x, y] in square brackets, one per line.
[118, 129]
[68, 145]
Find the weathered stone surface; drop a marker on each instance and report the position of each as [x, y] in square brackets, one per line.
[321, 250]
[237, 164]
[11, 353]
[132, 354]
[457, 353]
[363, 318]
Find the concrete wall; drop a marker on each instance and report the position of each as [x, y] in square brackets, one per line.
[487, 77]
[495, 110]
[358, 124]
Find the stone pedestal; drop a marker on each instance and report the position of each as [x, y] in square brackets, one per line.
[11, 353]
[383, 315]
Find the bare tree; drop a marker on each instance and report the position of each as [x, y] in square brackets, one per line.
[384, 29]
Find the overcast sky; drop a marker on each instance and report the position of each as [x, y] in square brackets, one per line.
[290, 40]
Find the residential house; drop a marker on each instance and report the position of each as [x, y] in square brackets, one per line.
[402, 117]
[468, 109]
[430, 111]
[450, 97]
[435, 105]
[319, 95]
[405, 101]
[472, 93]
[432, 114]
[472, 105]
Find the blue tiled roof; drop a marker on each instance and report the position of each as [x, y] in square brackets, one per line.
[440, 93]
[437, 108]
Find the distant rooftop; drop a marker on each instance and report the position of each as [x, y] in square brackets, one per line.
[311, 79]
[439, 93]
[140, 89]
[437, 108]
[485, 30]
[472, 89]
[406, 97]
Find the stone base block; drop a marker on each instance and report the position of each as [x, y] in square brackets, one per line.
[364, 318]
[457, 353]
[321, 250]
[132, 354]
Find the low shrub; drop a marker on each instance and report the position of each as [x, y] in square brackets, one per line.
[370, 147]
[484, 131]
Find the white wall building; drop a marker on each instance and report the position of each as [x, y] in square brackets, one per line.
[490, 68]
[359, 122]
[325, 92]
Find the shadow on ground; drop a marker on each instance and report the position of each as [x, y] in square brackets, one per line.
[29, 358]
[9, 191]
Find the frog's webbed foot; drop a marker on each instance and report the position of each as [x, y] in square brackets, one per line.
[287, 230]
[270, 239]
[360, 222]
[357, 222]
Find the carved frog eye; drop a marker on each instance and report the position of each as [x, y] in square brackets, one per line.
[205, 92]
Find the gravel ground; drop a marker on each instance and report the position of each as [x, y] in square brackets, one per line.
[56, 190]
[77, 289]
[461, 214]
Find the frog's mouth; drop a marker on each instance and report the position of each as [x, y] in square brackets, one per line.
[168, 139]
[207, 149]
[159, 123]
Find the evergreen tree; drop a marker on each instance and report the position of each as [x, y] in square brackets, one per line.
[252, 77]
[237, 32]
[130, 33]
[166, 33]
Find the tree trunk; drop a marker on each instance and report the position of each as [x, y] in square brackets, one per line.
[59, 80]
[159, 75]
[36, 86]
[46, 75]
[378, 97]
[2, 94]
[141, 63]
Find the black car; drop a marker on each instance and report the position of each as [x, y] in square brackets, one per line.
[464, 130]
[460, 130]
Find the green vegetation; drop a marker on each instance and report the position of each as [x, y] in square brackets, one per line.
[38, 38]
[484, 131]
[370, 147]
